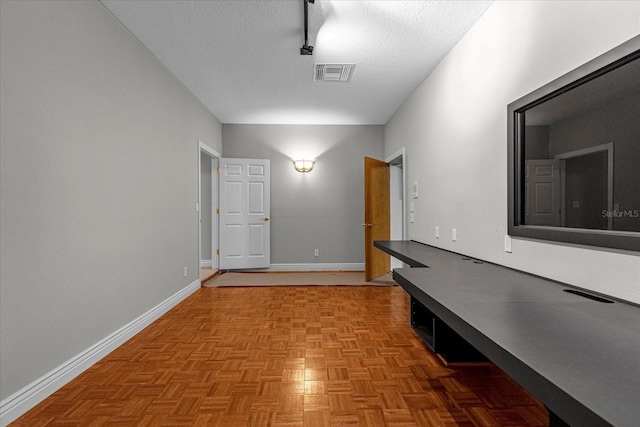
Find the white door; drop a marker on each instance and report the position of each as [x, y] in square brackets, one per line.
[244, 214]
[542, 192]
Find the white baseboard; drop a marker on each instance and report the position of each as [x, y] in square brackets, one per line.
[317, 267]
[21, 401]
[205, 263]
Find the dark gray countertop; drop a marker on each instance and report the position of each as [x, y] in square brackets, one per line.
[579, 357]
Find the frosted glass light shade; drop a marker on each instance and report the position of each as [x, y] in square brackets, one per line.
[304, 165]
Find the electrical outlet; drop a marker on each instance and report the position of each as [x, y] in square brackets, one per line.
[185, 272]
[437, 232]
[316, 252]
[507, 243]
[454, 234]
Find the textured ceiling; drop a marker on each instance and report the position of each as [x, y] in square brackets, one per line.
[241, 58]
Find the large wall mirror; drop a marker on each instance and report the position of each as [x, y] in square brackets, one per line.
[574, 155]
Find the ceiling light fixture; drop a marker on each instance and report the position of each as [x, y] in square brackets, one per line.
[306, 49]
[304, 165]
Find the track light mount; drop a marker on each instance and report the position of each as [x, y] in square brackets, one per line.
[306, 49]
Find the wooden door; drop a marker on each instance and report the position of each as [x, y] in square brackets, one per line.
[377, 223]
[244, 214]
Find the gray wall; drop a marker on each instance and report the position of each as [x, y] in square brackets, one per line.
[537, 142]
[454, 128]
[322, 209]
[98, 180]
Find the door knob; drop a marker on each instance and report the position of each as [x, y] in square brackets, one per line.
[266, 218]
[367, 225]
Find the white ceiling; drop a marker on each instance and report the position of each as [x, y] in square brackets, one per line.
[242, 59]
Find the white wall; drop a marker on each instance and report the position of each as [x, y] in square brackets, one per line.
[98, 180]
[454, 128]
[322, 209]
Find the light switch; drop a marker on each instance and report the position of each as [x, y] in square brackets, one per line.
[412, 207]
[454, 234]
[437, 232]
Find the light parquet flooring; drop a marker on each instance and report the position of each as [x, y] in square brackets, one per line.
[285, 357]
[206, 274]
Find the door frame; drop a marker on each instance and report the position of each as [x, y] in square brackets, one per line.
[398, 160]
[563, 157]
[205, 150]
[377, 216]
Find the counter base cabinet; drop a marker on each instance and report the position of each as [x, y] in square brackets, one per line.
[440, 338]
[555, 421]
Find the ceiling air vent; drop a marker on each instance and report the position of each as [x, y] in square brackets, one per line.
[333, 72]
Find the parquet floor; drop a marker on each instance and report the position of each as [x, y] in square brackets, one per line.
[285, 356]
[206, 274]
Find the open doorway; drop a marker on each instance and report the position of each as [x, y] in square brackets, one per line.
[208, 160]
[586, 187]
[396, 196]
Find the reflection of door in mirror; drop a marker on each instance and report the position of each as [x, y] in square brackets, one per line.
[542, 192]
[577, 119]
[586, 187]
[585, 191]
